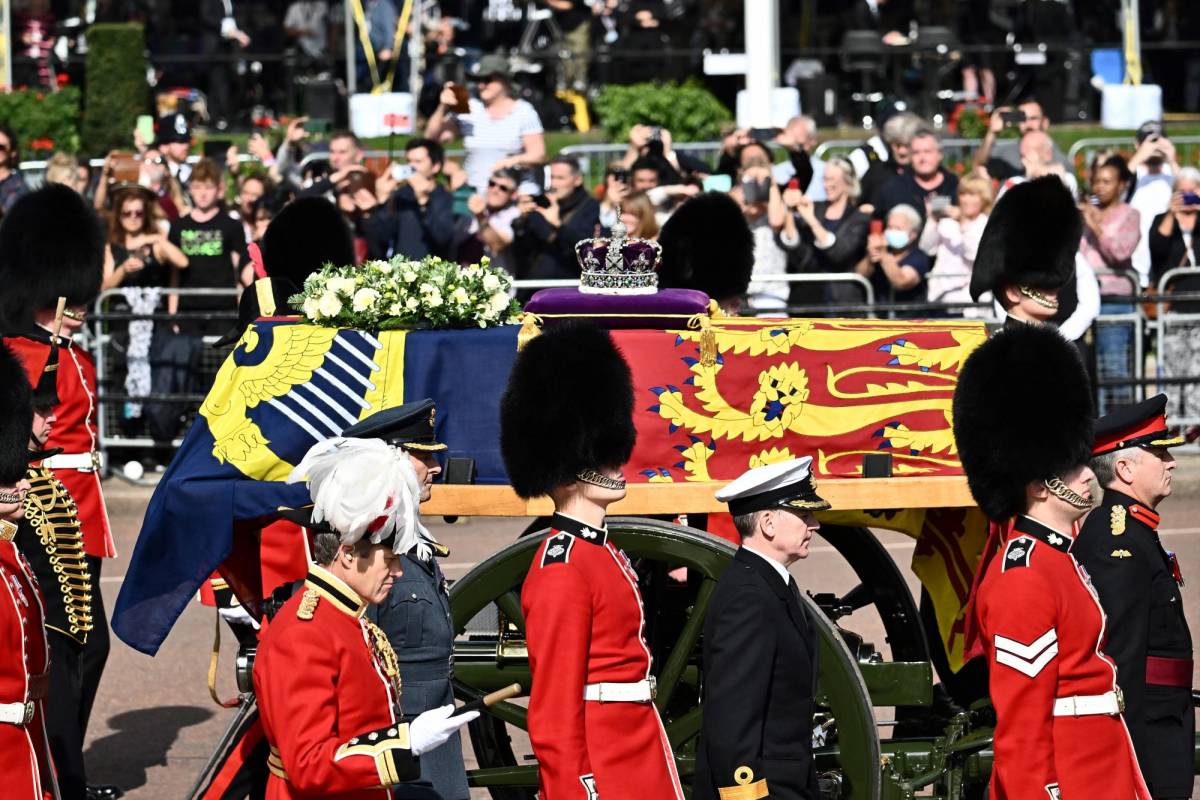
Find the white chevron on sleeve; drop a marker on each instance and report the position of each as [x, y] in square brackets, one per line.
[1029, 659]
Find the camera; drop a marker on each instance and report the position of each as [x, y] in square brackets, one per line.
[401, 172]
[756, 191]
[619, 175]
[1012, 118]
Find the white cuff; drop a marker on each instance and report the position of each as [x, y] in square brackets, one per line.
[832, 240]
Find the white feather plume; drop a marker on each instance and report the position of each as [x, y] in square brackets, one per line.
[354, 482]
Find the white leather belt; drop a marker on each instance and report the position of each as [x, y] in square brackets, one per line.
[16, 713]
[84, 462]
[640, 692]
[1109, 703]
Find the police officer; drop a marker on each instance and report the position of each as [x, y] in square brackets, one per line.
[1023, 424]
[1138, 583]
[416, 614]
[327, 680]
[760, 648]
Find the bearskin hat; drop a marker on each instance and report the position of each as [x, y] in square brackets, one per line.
[51, 246]
[1030, 239]
[16, 418]
[249, 308]
[1022, 413]
[707, 245]
[306, 235]
[568, 407]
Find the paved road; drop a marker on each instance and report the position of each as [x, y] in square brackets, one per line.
[154, 723]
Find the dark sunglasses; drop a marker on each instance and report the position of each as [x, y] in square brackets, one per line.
[501, 186]
[134, 214]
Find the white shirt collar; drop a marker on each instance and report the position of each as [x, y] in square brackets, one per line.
[780, 568]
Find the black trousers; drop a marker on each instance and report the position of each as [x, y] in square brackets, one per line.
[64, 715]
[95, 655]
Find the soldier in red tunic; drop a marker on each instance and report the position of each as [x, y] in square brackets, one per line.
[25, 763]
[1023, 424]
[51, 246]
[566, 429]
[327, 680]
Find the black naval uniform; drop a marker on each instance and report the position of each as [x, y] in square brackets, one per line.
[49, 537]
[760, 666]
[1147, 636]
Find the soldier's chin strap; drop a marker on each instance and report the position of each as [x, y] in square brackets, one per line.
[1066, 494]
[1038, 297]
[603, 481]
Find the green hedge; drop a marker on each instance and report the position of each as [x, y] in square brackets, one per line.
[116, 86]
[689, 111]
[42, 121]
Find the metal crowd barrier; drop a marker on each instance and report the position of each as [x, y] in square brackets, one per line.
[113, 433]
[1174, 329]
[34, 172]
[1081, 152]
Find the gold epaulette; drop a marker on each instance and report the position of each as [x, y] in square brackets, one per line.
[51, 511]
[746, 789]
[308, 604]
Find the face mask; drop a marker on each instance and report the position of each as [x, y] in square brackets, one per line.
[896, 240]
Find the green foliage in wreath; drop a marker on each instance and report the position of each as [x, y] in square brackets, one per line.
[42, 121]
[689, 111]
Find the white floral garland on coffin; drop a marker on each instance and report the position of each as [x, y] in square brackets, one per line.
[403, 293]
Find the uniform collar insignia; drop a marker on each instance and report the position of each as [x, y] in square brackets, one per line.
[565, 524]
[335, 590]
[1031, 527]
[1145, 516]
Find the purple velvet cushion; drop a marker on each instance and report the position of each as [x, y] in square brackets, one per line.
[665, 309]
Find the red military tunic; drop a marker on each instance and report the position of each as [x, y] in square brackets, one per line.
[25, 759]
[1043, 628]
[328, 688]
[74, 432]
[583, 625]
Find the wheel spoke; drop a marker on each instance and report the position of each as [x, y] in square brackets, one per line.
[510, 604]
[525, 775]
[668, 677]
[685, 727]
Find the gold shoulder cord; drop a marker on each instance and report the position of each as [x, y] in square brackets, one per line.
[52, 513]
[386, 656]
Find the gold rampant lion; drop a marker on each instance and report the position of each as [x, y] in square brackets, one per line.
[296, 352]
[780, 407]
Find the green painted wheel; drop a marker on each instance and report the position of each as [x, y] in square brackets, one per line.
[485, 661]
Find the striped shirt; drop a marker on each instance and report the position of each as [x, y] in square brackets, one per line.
[489, 140]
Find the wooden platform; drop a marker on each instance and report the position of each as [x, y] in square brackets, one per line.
[697, 498]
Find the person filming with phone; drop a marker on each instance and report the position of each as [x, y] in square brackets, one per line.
[895, 265]
[548, 225]
[417, 219]
[1002, 157]
[1173, 244]
[1153, 169]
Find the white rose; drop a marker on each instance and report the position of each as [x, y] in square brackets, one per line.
[396, 309]
[384, 268]
[433, 299]
[412, 303]
[499, 302]
[426, 288]
[365, 299]
[340, 285]
[329, 305]
[490, 283]
[460, 296]
[409, 276]
[312, 308]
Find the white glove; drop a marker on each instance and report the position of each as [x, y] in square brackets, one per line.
[431, 729]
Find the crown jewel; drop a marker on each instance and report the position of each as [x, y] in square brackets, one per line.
[618, 264]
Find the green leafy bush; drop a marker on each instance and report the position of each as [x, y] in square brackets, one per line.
[116, 86]
[689, 111]
[42, 121]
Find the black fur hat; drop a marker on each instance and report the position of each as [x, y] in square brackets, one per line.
[1030, 239]
[1022, 413]
[306, 235]
[16, 418]
[51, 246]
[707, 245]
[568, 407]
